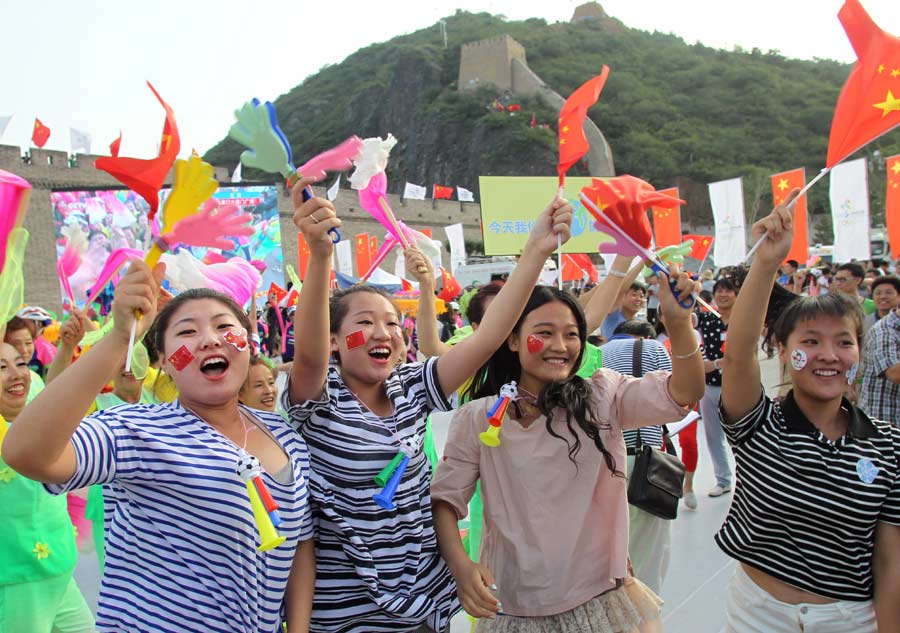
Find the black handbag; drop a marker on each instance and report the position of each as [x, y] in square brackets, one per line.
[657, 479]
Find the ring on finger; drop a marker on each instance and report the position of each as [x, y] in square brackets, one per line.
[312, 216]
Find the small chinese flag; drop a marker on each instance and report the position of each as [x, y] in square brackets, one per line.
[667, 221]
[574, 266]
[146, 176]
[276, 293]
[40, 134]
[702, 244]
[451, 289]
[405, 285]
[442, 193]
[572, 141]
[114, 146]
[782, 185]
[363, 255]
[869, 103]
[373, 245]
[892, 203]
[533, 120]
[426, 232]
[302, 256]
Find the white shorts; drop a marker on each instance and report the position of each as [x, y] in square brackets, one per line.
[750, 609]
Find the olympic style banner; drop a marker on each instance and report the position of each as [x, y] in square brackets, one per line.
[727, 200]
[849, 195]
[510, 204]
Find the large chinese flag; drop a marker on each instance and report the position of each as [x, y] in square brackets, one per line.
[442, 193]
[702, 244]
[41, 133]
[363, 255]
[869, 104]
[782, 185]
[667, 221]
[146, 176]
[302, 256]
[892, 204]
[573, 143]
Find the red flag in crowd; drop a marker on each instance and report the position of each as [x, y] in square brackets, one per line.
[373, 245]
[363, 255]
[892, 203]
[869, 104]
[146, 176]
[574, 266]
[442, 192]
[451, 289]
[302, 256]
[533, 121]
[782, 185]
[405, 285]
[276, 293]
[40, 134]
[572, 141]
[702, 244]
[667, 221]
[114, 146]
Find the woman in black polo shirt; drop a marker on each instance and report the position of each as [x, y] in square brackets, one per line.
[815, 521]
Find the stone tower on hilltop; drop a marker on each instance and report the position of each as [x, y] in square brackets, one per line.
[500, 61]
[588, 11]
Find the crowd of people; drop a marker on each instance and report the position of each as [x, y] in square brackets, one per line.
[214, 503]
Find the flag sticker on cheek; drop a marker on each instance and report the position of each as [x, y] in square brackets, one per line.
[535, 344]
[181, 358]
[355, 339]
[798, 359]
[238, 338]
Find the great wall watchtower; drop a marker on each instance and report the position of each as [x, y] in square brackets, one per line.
[500, 61]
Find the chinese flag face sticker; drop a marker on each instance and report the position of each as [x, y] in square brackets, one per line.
[356, 339]
[535, 344]
[181, 358]
[237, 338]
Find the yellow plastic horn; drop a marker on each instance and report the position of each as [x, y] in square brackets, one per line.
[491, 437]
[269, 537]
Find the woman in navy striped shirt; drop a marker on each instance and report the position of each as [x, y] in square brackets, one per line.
[378, 566]
[181, 539]
[815, 522]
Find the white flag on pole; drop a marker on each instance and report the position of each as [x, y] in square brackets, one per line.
[727, 200]
[457, 245]
[4, 121]
[80, 140]
[236, 174]
[414, 192]
[344, 257]
[400, 264]
[333, 189]
[464, 195]
[849, 195]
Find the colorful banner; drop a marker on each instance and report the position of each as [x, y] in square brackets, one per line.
[892, 204]
[727, 200]
[509, 205]
[117, 218]
[667, 222]
[782, 185]
[849, 195]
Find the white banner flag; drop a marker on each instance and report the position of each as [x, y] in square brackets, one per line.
[464, 195]
[80, 140]
[4, 121]
[344, 250]
[236, 174]
[414, 192]
[457, 245]
[333, 189]
[400, 264]
[849, 195]
[727, 200]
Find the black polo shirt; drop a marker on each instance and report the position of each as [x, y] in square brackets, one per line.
[805, 508]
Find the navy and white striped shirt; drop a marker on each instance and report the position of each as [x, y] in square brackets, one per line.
[805, 508]
[181, 541]
[618, 355]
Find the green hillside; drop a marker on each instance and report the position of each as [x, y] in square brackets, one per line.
[673, 113]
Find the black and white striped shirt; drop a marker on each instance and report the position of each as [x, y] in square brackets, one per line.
[618, 355]
[805, 508]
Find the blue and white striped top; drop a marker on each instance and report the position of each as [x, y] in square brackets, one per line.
[180, 536]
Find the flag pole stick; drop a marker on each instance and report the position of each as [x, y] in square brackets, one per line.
[559, 280]
[759, 242]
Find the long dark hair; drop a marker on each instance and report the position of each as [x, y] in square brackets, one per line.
[573, 394]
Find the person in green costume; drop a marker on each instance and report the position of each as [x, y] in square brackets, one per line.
[37, 591]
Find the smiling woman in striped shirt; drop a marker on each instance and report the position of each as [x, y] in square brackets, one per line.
[815, 522]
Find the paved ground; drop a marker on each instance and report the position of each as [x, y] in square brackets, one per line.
[695, 587]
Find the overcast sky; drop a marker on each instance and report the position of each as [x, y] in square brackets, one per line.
[83, 64]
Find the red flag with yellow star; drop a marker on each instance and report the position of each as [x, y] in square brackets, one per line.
[869, 104]
[892, 203]
[146, 176]
[667, 221]
[373, 245]
[782, 185]
[702, 244]
[41, 133]
[572, 141]
[302, 256]
[363, 254]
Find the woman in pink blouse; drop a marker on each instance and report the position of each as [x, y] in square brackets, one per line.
[555, 543]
